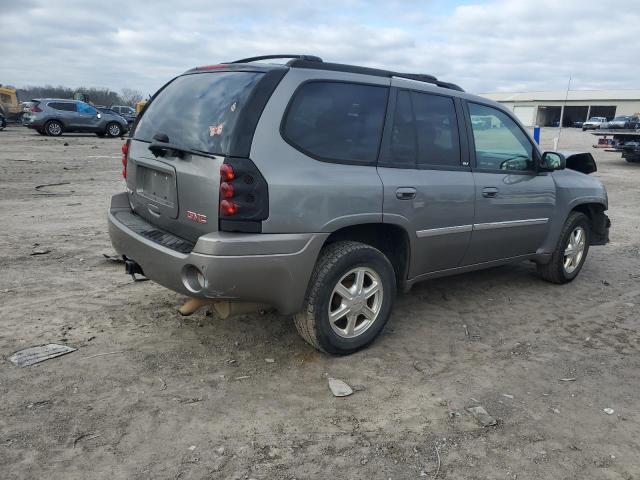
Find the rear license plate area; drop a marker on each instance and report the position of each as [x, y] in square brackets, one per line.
[156, 186]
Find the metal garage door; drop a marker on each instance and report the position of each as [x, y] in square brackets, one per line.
[525, 115]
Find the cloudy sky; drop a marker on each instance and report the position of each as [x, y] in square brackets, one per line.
[491, 45]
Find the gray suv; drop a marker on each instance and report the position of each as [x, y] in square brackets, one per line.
[54, 116]
[322, 189]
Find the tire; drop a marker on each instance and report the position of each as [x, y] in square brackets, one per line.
[53, 128]
[113, 129]
[343, 263]
[557, 271]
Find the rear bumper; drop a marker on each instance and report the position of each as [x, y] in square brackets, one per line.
[264, 268]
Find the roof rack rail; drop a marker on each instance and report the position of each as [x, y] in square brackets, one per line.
[339, 67]
[308, 58]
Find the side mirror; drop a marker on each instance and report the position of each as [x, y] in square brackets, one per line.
[551, 161]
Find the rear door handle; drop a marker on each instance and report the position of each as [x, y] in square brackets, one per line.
[405, 193]
[490, 192]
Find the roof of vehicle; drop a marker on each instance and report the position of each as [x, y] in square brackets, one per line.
[313, 62]
[54, 99]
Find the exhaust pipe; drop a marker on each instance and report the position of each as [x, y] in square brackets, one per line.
[224, 308]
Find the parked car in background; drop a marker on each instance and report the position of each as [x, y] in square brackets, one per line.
[380, 180]
[128, 113]
[3, 121]
[54, 116]
[594, 123]
[577, 124]
[25, 106]
[622, 122]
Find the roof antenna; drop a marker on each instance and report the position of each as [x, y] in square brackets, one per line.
[556, 140]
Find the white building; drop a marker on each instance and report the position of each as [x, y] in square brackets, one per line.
[550, 108]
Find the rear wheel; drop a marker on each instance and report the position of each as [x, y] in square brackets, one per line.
[349, 298]
[570, 252]
[53, 128]
[114, 129]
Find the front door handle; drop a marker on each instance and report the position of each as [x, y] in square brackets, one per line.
[405, 193]
[490, 192]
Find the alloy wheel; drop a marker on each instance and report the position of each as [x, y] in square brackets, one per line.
[574, 250]
[355, 302]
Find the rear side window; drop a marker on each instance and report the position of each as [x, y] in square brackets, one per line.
[424, 132]
[199, 111]
[336, 121]
[65, 106]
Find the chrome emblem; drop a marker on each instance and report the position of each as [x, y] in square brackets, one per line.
[196, 217]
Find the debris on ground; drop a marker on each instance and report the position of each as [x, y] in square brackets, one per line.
[40, 251]
[102, 354]
[507, 395]
[571, 379]
[32, 355]
[269, 360]
[482, 416]
[113, 258]
[608, 411]
[43, 191]
[339, 388]
[86, 436]
[420, 365]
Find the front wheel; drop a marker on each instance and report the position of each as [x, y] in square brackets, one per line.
[349, 298]
[114, 130]
[571, 251]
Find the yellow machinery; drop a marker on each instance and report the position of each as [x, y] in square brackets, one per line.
[9, 102]
[140, 105]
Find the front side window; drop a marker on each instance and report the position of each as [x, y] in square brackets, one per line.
[337, 121]
[500, 144]
[424, 132]
[86, 109]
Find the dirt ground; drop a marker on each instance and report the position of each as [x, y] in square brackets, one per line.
[195, 398]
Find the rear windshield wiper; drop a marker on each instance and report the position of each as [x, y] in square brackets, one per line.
[160, 146]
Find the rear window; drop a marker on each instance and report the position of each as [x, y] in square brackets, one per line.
[336, 121]
[199, 111]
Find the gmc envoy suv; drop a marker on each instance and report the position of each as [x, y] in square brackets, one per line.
[322, 189]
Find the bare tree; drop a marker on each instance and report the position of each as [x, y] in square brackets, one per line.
[130, 96]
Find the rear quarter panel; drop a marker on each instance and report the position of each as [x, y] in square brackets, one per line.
[308, 195]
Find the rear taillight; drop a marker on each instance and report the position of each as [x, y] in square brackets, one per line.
[35, 109]
[244, 196]
[125, 155]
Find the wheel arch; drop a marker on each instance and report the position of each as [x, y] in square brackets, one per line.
[598, 221]
[391, 239]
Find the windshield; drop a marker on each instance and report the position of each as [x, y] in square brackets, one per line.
[199, 111]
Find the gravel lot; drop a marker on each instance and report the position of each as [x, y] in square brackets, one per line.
[194, 398]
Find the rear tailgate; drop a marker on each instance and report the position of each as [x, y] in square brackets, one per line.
[177, 194]
[204, 115]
